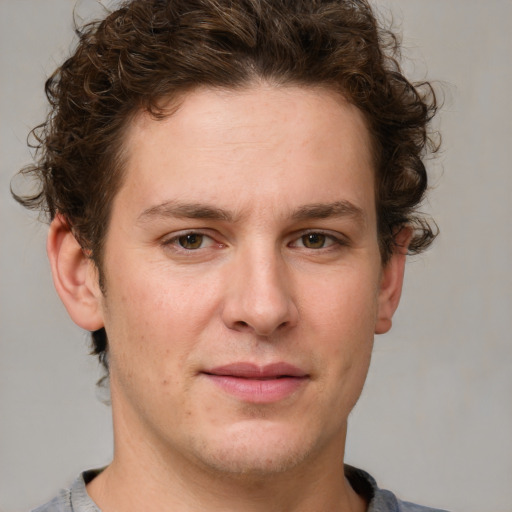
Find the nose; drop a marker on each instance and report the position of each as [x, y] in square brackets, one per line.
[259, 296]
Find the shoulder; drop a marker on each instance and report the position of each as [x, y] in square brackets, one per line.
[380, 500]
[386, 501]
[74, 499]
[61, 503]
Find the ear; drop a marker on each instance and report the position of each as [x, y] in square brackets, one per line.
[75, 276]
[392, 279]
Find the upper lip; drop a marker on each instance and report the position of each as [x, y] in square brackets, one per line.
[253, 371]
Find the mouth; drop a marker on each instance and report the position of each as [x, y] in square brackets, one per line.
[258, 384]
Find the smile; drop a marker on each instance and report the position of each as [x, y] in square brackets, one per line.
[258, 384]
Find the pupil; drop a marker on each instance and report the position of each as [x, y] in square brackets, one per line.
[313, 240]
[191, 241]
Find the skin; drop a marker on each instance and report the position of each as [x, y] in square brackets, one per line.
[266, 275]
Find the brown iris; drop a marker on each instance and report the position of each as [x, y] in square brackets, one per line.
[314, 240]
[191, 241]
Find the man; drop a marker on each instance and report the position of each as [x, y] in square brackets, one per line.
[232, 190]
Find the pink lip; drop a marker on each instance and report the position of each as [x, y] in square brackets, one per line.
[258, 384]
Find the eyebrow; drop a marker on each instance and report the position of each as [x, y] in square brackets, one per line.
[327, 210]
[185, 211]
[175, 209]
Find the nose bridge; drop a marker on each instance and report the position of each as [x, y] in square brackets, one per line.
[260, 297]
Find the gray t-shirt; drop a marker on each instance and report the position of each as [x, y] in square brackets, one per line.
[76, 499]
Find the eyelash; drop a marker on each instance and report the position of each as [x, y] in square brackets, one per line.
[173, 242]
[334, 242]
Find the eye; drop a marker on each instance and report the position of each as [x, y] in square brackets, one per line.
[191, 241]
[188, 241]
[316, 240]
[313, 240]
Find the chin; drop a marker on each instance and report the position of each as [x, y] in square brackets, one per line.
[254, 452]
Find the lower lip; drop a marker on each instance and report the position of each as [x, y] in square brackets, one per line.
[258, 390]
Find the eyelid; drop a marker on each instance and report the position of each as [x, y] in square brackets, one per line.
[337, 238]
[171, 240]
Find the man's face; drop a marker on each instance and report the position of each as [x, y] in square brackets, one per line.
[243, 278]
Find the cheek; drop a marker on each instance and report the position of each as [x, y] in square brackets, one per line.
[341, 318]
[345, 302]
[150, 313]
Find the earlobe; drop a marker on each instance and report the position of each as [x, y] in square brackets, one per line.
[391, 282]
[74, 276]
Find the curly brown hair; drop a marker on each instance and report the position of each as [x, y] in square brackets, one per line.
[149, 50]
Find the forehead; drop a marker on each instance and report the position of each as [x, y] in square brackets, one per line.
[260, 143]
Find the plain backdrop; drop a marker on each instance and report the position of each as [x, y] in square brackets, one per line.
[434, 423]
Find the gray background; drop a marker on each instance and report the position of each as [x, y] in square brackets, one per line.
[435, 420]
